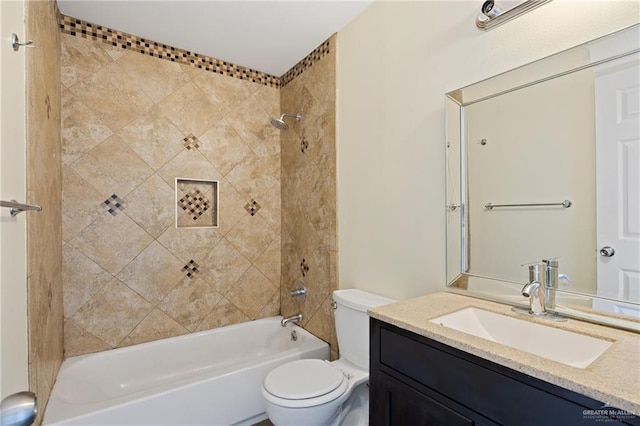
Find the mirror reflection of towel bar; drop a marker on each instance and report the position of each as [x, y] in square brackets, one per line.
[16, 208]
[566, 204]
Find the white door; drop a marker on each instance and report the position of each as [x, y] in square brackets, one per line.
[13, 270]
[618, 185]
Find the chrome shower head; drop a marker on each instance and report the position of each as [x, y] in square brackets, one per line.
[279, 123]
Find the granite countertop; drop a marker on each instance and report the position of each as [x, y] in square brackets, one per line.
[613, 378]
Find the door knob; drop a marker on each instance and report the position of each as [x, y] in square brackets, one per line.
[607, 251]
[19, 409]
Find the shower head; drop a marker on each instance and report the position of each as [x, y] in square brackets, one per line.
[279, 122]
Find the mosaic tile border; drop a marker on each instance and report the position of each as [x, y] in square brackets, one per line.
[79, 28]
[306, 63]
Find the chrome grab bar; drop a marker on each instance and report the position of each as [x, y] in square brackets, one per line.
[16, 207]
[566, 204]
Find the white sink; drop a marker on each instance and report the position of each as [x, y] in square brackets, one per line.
[574, 349]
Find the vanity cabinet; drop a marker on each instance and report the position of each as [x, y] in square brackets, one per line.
[418, 381]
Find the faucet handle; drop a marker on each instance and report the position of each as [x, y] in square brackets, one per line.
[534, 271]
[552, 262]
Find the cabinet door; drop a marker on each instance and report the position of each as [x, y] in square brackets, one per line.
[401, 405]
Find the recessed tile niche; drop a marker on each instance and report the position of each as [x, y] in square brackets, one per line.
[196, 203]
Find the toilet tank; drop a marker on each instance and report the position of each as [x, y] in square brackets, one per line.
[352, 323]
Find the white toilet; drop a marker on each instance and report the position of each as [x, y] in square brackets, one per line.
[314, 392]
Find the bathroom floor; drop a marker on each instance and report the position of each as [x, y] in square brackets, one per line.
[264, 423]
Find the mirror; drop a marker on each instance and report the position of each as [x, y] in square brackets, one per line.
[543, 162]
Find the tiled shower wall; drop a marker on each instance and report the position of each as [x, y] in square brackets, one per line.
[132, 124]
[44, 187]
[309, 249]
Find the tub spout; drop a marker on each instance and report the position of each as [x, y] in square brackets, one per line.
[292, 318]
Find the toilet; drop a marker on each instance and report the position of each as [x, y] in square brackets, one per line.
[316, 392]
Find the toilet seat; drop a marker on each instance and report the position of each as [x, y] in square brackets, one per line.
[316, 382]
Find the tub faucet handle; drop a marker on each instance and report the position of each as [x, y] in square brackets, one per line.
[299, 292]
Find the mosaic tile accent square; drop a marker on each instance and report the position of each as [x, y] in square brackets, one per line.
[252, 207]
[304, 267]
[196, 203]
[191, 142]
[114, 204]
[191, 268]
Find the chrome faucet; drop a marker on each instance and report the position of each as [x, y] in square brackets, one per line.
[541, 289]
[536, 289]
[553, 276]
[292, 318]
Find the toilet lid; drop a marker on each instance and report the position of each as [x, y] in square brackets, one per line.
[303, 379]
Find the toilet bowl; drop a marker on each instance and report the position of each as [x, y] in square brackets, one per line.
[316, 395]
[314, 392]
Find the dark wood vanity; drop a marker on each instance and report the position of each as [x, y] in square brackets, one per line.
[415, 380]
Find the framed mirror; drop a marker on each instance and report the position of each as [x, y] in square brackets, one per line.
[543, 162]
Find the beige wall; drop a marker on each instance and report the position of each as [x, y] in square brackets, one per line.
[14, 358]
[309, 249]
[44, 187]
[540, 149]
[395, 63]
[131, 124]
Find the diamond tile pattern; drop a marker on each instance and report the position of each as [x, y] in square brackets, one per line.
[153, 137]
[150, 205]
[112, 167]
[82, 129]
[191, 142]
[112, 241]
[114, 204]
[132, 124]
[308, 188]
[153, 274]
[134, 277]
[194, 203]
[191, 268]
[252, 207]
[197, 203]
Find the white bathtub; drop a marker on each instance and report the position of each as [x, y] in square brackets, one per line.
[208, 378]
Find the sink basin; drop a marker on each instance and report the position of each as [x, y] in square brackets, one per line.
[573, 349]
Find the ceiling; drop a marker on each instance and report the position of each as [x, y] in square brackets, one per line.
[267, 36]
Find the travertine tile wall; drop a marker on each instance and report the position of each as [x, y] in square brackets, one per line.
[44, 187]
[131, 124]
[309, 249]
[132, 43]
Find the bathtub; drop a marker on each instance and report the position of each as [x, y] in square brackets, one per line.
[208, 378]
